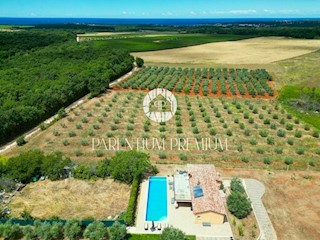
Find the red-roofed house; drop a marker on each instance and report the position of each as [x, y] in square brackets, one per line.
[207, 204]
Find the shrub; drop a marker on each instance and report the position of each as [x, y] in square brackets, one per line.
[315, 134]
[290, 141]
[79, 126]
[162, 129]
[21, 141]
[270, 140]
[95, 231]
[146, 128]
[78, 152]
[240, 148]
[172, 233]
[116, 120]
[296, 121]
[282, 121]
[130, 127]
[289, 116]
[65, 142]
[260, 150]
[139, 62]
[251, 120]
[246, 115]
[229, 132]
[118, 231]
[239, 205]
[10, 231]
[300, 150]
[241, 125]
[266, 121]
[236, 120]
[273, 126]
[289, 127]
[236, 185]
[212, 132]
[84, 142]
[179, 130]
[245, 159]
[253, 141]
[288, 161]
[247, 132]
[84, 120]
[263, 133]
[84, 172]
[99, 153]
[298, 134]
[72, 133]
[225, 125]
[72, 229]
[55, 132]
[162, 155]
[307, 127]
[129, 216]
[278, 150]
[267, 160]
[183, 156]
[91, 133]
[281, 133]
[195, 130]
[261, 116]
[318, 151]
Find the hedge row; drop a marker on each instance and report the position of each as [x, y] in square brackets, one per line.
[130, 214]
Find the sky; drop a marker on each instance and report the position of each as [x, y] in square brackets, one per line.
[161, 8]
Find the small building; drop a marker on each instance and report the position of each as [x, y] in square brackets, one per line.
[199, 189]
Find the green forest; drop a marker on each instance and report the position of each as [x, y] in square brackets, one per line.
[41, 72]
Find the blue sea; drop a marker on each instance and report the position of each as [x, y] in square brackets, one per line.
[152, 21]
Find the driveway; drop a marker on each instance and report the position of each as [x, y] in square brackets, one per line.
[255, 191]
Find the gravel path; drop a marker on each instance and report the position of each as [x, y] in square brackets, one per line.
[255, 191]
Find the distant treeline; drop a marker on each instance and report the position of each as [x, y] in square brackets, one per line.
[294, 29]
[35, 84]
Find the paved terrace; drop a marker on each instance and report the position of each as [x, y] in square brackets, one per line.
[181, 218]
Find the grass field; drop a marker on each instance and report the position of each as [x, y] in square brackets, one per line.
[72, 198]
[259, 133]
[160, 41]
[299, 71]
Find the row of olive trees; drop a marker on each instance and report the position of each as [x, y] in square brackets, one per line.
[73, 230]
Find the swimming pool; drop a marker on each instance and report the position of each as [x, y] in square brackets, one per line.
[157, 209]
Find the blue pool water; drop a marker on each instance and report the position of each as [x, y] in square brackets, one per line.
[157, 209]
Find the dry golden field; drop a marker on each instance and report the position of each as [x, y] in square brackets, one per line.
[72, 198]
[263, 50]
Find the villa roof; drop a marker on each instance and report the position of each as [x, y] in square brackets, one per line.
[205, 194]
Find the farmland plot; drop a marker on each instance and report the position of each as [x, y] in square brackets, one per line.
[259, 133]
[206, 82]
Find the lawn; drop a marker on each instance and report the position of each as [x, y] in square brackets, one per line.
[151, 237]
[142, 43]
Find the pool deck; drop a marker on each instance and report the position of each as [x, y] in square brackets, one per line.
[181, 218]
